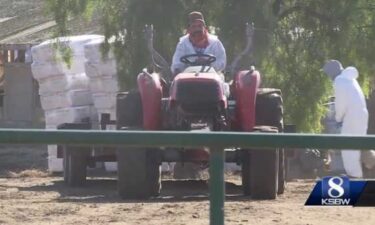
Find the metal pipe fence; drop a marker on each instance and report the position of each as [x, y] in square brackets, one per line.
[216, 141]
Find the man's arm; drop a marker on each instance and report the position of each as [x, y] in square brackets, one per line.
[177, 65]
[221, 57]
[340, 100]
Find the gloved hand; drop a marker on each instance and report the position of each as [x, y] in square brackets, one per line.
[338, 125]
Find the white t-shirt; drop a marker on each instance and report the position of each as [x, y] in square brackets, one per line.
[185, 47]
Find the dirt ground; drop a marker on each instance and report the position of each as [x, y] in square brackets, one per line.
[30, 195]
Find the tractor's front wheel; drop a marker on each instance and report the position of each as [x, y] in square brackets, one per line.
[138, 169]
[138, 173]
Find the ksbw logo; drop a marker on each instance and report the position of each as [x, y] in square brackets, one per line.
[340, 191]
[335, 191]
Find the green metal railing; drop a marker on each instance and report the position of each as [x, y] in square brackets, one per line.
[216, 141]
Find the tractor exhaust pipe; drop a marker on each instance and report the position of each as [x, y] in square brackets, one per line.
[233, 68]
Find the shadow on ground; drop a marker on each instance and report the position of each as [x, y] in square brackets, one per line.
[105, 190]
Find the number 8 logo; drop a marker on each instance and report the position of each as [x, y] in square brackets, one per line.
[336, 187]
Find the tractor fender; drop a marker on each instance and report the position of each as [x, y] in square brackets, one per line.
[150, 88]
[245, 91]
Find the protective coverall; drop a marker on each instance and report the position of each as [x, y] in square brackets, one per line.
[185, 47]
[351, 110]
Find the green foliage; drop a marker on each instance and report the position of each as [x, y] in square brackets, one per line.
[293, 39]
[63, 10]
[307, 34]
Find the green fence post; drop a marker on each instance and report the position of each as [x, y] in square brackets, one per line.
[217, 186]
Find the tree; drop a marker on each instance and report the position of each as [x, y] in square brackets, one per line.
[125, 20]
[308, 33]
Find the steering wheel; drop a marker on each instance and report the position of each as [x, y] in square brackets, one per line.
[207, 59]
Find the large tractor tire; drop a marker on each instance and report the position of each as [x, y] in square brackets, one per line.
[138, 168]
[269, 112]
[75, 158]
[75, 164]
[282, 172]
[138, 173]
[260, 169]
[269, 108]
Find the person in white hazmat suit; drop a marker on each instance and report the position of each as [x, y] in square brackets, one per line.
[351, 111]
[198, 41]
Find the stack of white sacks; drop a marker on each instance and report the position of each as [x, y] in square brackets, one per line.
[102, 72]
[86, 89]
[64, 90]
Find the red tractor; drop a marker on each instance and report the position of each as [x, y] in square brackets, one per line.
[199, 99]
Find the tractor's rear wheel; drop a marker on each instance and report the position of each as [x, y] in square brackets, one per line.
[138, 168]
[75, 162]
[269, 112]
[263, 171]
[260, 169]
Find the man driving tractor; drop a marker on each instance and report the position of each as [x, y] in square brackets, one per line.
[198, 41]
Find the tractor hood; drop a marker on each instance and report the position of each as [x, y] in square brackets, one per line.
[199, 74]
[201, 77]
[198, 88]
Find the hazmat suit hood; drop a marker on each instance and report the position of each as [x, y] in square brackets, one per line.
[349, 73]
[333, 68]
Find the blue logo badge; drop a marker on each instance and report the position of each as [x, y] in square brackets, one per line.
[336, 191]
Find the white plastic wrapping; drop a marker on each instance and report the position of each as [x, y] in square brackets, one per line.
[104, 100]
[63, 83]
[67, 115]
[103, 84]
[104, 69]
[94, 116]
[51, 127]
[93, 51]
[66, 99]
[44, 70]
[46, 51]
[65, 90]
[55, 164]
[52, 150]
[110, 166]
